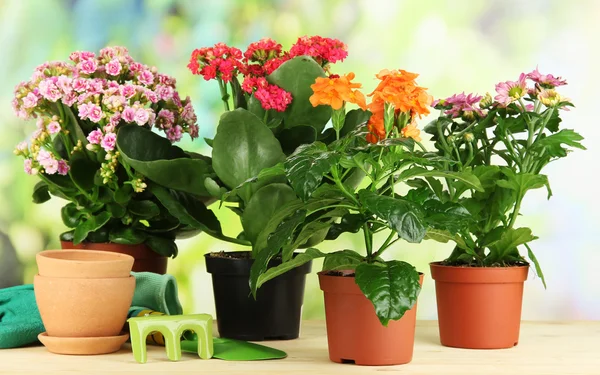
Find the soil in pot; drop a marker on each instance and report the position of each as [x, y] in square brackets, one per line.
[479, 307]
[146, 260]
[355, 334]
[274, 315]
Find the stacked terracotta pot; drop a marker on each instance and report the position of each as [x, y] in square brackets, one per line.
[83, 297]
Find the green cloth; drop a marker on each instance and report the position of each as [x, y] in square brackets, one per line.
[20, 321]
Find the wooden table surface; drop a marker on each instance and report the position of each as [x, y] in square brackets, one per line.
[544, 348]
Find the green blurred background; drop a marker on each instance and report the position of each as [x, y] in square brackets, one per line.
[455, 45]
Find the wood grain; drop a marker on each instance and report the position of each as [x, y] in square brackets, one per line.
[545, 348]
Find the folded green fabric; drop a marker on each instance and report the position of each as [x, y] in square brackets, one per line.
[20, 321]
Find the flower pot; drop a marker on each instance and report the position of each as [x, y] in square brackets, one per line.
[146, 260]
[355, 334]
[479, 307]
[277, 310]
[83, 307]
[83, 264]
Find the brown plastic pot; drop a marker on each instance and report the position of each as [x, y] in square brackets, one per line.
[146, 260]
[86, 264]
[479, 307]
[355, 334]
[83, 307]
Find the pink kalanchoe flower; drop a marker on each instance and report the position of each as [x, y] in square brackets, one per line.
[95, 137]
[128, 91]
[22, 146]
[165, 119]
[193, 130]
[546, 80]
[146, 77]
[164, 92]
[65, 84]
[44, 156]
[51, 167]
[30, 100]
[69, 99]
[63, 167]
[151, 96]
[109, 141]
[273, 97]
[510, 91]
[49, 90]
[128, 114]
[53, 127]
[174, 134]
[87, 66]
[95, 113]
[27, 166]
[188, 114]
[113, 68]
[79, 84]
[141, 116]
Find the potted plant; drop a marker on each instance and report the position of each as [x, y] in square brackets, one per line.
[267, 116]
[370, 302]
[81, 107]
[506, 141]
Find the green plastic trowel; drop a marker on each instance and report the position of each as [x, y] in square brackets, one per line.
[233, 350]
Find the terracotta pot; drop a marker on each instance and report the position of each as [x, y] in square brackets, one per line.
[87, 264]
[479, 307]
[146, 260]
[355, 334]
[83, 307]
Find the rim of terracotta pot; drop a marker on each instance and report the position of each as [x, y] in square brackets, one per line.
[85, 264]
[139, 251]
[478, 275]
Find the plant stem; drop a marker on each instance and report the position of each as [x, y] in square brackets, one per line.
[224, 94]
[341, 186]
[368, 240]
[333, 206]
[515, 212]
[266, 117]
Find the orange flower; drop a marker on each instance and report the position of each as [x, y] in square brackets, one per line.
[376, 128]
[335, 90]
[411, 131]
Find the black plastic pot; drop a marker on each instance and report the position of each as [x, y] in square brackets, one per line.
[277, 310]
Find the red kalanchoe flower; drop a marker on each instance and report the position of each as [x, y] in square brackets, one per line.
[272, 64]
[220, 61]
[270, 96]
[323, 50]
[264, 49]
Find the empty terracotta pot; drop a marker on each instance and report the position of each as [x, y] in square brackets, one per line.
[83, 307]
[355, 334]
[146, 260]
[479, 307]
[86, 264]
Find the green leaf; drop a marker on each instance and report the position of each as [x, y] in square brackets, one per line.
[392, 287]
[145, 209]
[467, 178]
[275, 242]
[297, 261]
[538, 269]
[354, 119]
[522, 182]
[446, 216]
[553, 143]
[239, 99]
[309, 233]
[75, 132]
[265, 176]
[116, 210]
[261, 207]
[508, 243]
[293, 138]
[208, 141]
[123, 194]
[90, 225]
[295, 76]
[401, 215]
[444, 236]
[350, 223]
[554, 121]
[82, 170]
[187, 209]
[40, 193]
[487, 175]
[342, 260]
[162, 246]
[156, 158]
[243, 147]
[127, 236]
[70, 215]
[307, 166]
[213, 188]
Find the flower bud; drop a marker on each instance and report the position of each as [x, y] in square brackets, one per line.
[450, 139]
[486, 101]
[469, 137]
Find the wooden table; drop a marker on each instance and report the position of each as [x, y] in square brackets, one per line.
[544, 348]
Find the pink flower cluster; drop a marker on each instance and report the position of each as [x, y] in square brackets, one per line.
[103, 91]
[220, 61]
[47, 161]
[323, 50]
[460, 104]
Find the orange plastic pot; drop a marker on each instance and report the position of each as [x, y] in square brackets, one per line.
[479, 307]
[146, 260]
[355, 334]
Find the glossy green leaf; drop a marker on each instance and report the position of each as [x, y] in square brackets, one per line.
[83, 170]
[90, 225]
[538, 269]
[123, 194]
[342, 260]
[243, 146]
[162, 246]
[261, 207]
[76, 134]
[403, 216]
[116, 210]
[350, 223]
[293, 138]
[467, 178]
[297, 261]
[127, 236]
[156, 158]
[508, 243]
[307, 166]
[444, 236]
[40, 193]
[522, 182]
[145, 209]
[392, 287]
[295, 76]
[71, 215]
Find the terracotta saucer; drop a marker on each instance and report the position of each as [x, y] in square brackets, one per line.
[83, 345]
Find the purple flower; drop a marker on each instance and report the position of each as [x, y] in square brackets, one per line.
[87, 66]
[113, 68]
[63, 167]
[141, 116]
[510, 91]
[546, 80]
[108, 142]
[95, 137]
[128, 114]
